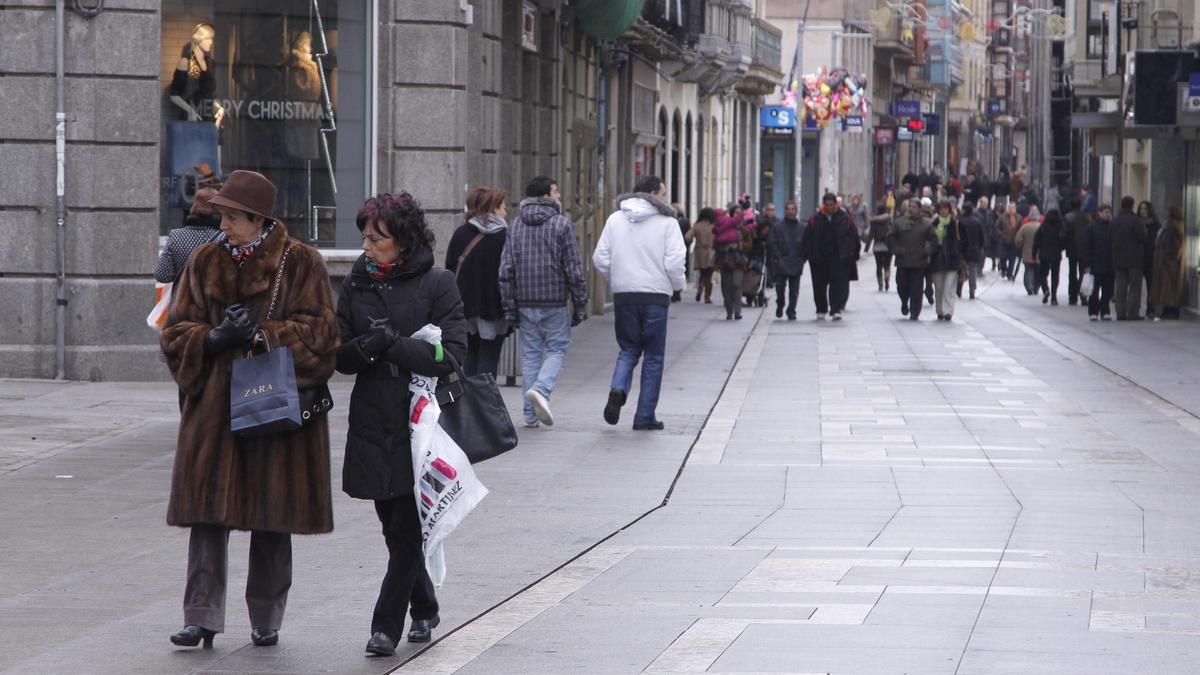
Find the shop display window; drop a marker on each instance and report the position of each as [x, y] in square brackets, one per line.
[277, 87]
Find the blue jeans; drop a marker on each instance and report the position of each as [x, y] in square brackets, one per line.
[545, 336]
[641, 333]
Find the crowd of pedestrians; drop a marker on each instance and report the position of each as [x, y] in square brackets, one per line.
[525, 276]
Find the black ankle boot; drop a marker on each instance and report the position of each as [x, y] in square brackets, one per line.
[191, 636]
[264, 637]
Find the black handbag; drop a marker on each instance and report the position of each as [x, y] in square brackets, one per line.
[475, 416]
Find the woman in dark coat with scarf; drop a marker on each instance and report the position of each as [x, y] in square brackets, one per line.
[392, 292]
[474, 256]
[947, 259]
[276, 485]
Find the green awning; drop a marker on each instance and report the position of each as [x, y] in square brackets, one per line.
[607, 19]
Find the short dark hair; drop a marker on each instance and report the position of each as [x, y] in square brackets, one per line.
[1104, 207]
[1127, 203]
[539, 186]
[400, 217]
[829, 197]
[648, 184]
[707, 214]
[968, 207]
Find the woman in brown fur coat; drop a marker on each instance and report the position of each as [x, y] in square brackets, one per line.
[275, 485]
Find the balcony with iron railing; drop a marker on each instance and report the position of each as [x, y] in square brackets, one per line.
[891, 34]
[766, 70]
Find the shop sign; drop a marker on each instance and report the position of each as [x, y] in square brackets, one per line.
[853, 124]
[777, 117]
[903, 135]
[902, 108]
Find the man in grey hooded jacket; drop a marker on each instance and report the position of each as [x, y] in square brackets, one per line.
[642, 254]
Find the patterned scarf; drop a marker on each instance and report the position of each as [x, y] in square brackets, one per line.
[241, 254]
[383, 271]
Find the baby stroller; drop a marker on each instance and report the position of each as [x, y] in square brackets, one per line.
[753, 286]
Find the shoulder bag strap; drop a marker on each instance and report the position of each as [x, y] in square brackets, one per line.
[278, 280]
[466, 252]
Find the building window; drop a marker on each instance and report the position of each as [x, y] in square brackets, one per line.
[279, 88]
[1097, 31]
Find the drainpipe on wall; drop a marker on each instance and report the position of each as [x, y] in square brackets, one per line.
[60, 154]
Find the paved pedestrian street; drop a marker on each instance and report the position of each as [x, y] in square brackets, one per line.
[1012, 492]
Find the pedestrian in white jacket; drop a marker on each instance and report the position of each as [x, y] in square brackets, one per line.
[642, 254]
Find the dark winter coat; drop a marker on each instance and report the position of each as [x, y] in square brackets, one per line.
[877, 234]
[973, 237]
[1153, 227]
[912, 240]
[1077, 223]
[279, 483]
[1128, 240]
[948, 256]
[1050, 240]
[479, 278]
[784, 254]
[378, 462]
[1100, 247]
[830, 239]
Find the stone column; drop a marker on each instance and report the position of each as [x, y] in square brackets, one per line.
[112, 103]
[424, 106]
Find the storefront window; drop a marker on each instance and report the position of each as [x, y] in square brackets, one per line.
[280, 88]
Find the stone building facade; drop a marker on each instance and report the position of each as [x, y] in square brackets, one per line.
[334, 100]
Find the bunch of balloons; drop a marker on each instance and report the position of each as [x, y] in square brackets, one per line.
[829, 95]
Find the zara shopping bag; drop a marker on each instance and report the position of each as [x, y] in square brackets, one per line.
[263, 398]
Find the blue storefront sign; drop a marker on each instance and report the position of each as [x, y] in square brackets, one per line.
[933, 124]
[995, 108]
[1193, 84]
[777, 117]
[853, 124]
[902, 108]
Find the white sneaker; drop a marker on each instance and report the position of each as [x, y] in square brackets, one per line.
[533, 425]
[1093, 318]
[541, 407]
[820, 316]
[836, 316]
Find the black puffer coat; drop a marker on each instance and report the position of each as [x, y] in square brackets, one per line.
[378, 462]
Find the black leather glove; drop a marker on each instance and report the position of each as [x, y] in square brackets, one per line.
[235, 330]
[577, 318]
[379, 337]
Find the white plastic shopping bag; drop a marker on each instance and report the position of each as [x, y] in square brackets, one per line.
[162, 305]
[1087, 284]
[446, 487]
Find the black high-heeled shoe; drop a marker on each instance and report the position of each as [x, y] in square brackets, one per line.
[264, 637]
[191, 636]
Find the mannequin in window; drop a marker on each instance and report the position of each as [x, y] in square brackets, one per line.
[304, 86]
[195, 80]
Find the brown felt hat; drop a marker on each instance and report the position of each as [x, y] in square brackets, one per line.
[247, 191]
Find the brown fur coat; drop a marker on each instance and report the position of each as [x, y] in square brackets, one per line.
[279, 483]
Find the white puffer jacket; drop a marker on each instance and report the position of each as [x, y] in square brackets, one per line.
[641, 251]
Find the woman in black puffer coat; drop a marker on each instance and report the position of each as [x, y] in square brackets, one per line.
[392, 292]
[474, 256]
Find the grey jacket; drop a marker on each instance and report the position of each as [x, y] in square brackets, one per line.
[783, 248]
[1128, 238]
[541, 265]
[912, 240]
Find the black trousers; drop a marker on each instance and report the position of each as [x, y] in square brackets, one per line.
[792, 286]
[406, 579]
[1075, 268]
[483, 356]
[831, 286]
[910, 285]
[883, 267]
[1098, 304]
[1048, 270]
